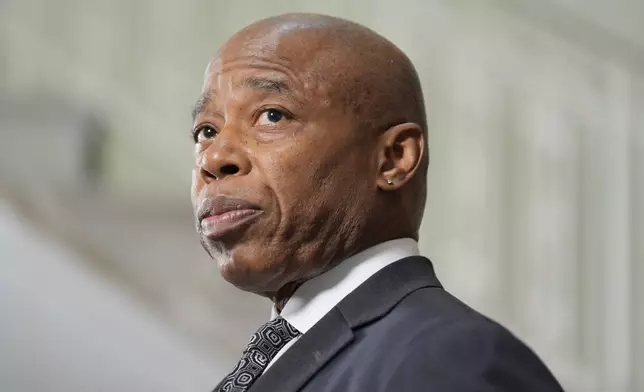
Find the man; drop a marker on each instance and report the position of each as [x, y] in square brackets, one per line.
[309, 189]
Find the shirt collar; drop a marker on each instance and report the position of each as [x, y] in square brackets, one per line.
[317, 296]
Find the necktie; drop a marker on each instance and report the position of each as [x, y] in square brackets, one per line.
[261, 349]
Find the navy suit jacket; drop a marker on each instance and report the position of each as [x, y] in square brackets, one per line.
[400, 331]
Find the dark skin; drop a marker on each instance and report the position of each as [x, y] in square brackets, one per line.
[320, 124]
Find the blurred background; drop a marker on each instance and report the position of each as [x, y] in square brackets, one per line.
[536, 189]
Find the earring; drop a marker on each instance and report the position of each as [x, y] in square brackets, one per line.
[389, 181]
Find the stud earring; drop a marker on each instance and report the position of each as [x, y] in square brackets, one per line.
[389, 181]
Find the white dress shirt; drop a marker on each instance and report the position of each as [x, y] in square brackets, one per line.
[317, 296]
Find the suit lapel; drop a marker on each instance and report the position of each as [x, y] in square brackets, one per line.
[384, 290]
[335, 331]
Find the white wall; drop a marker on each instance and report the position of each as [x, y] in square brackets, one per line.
[65, 328]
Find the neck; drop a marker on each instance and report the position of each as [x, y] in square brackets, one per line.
[281, 297]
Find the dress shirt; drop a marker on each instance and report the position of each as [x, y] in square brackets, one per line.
[317, 296]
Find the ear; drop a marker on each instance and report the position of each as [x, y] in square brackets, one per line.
[401, 149]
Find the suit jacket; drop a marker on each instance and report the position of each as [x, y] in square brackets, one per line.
[400, 331]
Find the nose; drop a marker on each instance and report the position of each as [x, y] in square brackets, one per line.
[223, 158]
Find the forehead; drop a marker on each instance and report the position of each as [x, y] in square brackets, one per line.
[292, 56]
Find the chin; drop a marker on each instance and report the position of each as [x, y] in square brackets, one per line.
[248, 270]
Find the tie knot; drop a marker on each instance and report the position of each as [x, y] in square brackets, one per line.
[272, 336]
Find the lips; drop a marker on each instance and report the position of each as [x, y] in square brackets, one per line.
[223, 215]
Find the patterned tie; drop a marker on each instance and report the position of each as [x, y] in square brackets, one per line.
[261, 349]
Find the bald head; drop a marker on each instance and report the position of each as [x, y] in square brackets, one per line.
[365, 69]
[319, 123]
[361, 70]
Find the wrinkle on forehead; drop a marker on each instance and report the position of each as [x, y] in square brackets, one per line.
[267, 61]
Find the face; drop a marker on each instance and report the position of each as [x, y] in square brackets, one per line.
[282, 184]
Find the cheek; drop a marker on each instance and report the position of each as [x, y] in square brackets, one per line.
[306, 180]
[310, 174]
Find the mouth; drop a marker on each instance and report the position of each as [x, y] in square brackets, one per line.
[222, 215]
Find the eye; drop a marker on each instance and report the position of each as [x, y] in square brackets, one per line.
[203, 133]
[271, 117]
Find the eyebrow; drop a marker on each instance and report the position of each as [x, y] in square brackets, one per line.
[203, 101]
[267, 84]
[277, 86]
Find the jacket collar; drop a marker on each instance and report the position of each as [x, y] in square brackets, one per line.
[335, 331]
